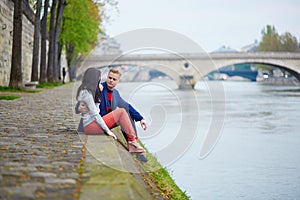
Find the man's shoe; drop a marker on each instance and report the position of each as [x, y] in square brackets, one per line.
[134, 147]
[141, 157]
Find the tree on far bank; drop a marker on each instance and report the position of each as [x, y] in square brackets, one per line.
[272, 41]
[16, 71]
[289, 42]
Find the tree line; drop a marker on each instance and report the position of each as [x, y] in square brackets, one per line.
[71, 26]
[273, 41]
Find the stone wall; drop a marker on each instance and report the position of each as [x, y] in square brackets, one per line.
[6, 40]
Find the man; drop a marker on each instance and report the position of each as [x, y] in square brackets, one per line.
[111, 99]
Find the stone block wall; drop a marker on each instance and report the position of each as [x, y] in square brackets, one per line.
[6, 40]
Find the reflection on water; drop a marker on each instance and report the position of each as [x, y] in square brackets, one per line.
[257, 156]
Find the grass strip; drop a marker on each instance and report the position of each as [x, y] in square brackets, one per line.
[158, 174]
[49, 85]
[9, 97]
[163, 180]
[40, 85]
[8, 89]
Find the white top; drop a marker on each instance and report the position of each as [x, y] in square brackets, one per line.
[86, 97]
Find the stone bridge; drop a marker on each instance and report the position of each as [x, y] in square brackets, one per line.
[187, 69]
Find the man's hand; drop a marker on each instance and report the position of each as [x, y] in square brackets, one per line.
[83, 108]
[143, 124]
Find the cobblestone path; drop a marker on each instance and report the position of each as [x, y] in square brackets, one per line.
[40, 150]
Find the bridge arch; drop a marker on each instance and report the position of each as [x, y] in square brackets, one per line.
[177, 70]
[289, 68]
[168, 70]
[200, 64]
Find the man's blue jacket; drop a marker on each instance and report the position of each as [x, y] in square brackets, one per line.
[117, 101]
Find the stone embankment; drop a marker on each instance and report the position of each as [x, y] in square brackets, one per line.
[43, 157]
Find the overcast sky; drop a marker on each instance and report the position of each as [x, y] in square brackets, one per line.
[209, 23]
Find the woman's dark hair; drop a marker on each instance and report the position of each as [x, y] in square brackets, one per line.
[90, 82]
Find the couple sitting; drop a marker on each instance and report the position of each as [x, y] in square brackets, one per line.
[98, 102]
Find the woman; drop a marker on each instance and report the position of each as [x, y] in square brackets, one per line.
[88, 95]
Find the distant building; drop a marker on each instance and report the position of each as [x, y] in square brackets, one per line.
[251, 47]
[108, 46]
[224, 49]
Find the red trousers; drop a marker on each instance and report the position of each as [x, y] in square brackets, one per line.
[113, 119]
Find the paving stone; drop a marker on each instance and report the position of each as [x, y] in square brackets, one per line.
[18, 192]
[61, 181]
[10, 178]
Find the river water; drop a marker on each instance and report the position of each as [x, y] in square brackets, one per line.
[256, 152]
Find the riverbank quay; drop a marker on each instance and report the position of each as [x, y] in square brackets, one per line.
[43, 157]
